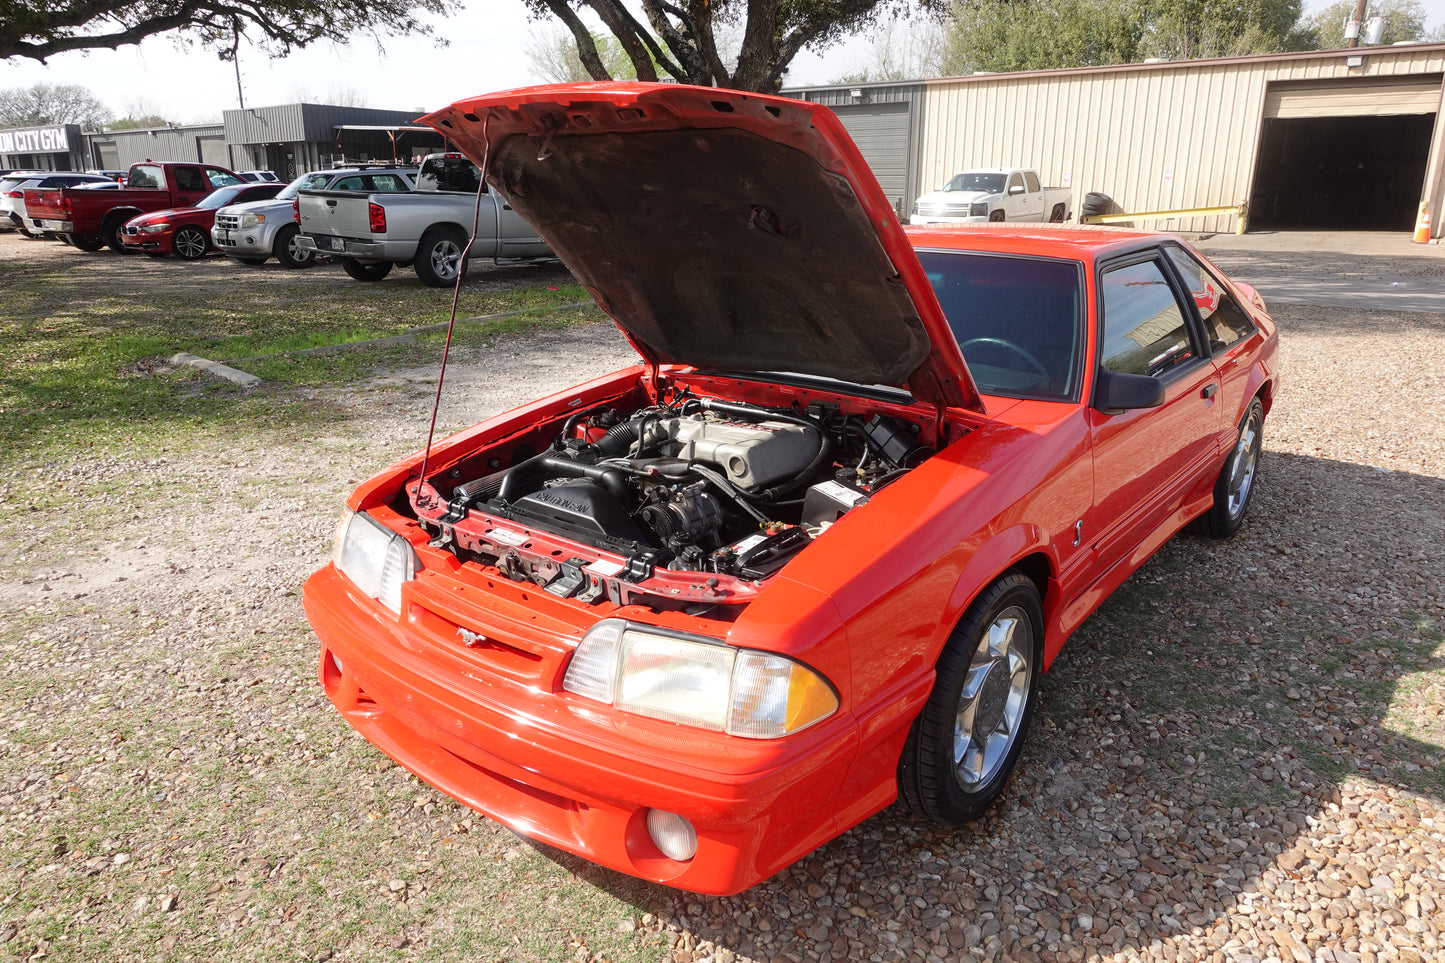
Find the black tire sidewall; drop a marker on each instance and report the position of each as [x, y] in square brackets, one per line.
[423, 261]
[1217, 522]
[281, 247]
[365, 272]
[935, 791]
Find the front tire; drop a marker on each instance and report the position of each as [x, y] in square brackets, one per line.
[1234, 488]
[190, 244]
[439, 257]
[996, 217]
[965, 742]
[252, 261]
[286, 251]
[365, 272]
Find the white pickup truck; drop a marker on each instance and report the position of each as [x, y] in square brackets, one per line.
[992, 194]
[427, 228]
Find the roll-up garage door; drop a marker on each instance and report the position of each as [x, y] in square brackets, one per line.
[881, 133]
[213, 151]
[1375, 97]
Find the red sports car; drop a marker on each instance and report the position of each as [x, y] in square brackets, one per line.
[693, 619]
[186, 231]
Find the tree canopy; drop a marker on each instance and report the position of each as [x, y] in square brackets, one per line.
[39, 29]
[999, 35]
[681, 38]
[45, 105]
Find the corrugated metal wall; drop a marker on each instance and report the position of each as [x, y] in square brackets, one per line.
[129, 147]
[912, 94]
[1152, 136]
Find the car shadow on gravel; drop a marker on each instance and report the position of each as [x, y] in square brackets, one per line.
[1244, 722]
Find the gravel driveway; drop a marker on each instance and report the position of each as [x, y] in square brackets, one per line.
[1238, 758]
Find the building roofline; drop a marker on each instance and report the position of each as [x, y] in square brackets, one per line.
[1404, 48]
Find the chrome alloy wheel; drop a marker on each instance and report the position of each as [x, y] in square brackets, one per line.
[1244, 464]
[189, 243]
[445, 256]
[995, 695]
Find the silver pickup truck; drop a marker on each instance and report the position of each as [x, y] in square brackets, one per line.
[428, 228]
[253, 232]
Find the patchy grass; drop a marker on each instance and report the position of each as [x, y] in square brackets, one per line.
[84, 342]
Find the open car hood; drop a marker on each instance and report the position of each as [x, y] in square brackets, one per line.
[719, 229]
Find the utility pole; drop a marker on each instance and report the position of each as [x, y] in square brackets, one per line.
[1358, 23]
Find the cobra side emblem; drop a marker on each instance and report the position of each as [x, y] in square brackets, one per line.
[471, 639]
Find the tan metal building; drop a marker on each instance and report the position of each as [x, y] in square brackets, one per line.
[1345, 139]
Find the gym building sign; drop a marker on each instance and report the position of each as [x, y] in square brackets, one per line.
[57, 147]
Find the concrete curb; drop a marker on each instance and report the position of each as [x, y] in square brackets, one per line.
[241, 378]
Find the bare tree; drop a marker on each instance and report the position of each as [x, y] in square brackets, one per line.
[899, 49]
[45, 104]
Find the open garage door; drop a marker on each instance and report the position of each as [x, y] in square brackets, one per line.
[1344, 155]
[881, 133]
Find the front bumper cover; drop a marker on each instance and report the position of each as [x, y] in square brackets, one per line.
[550, 766]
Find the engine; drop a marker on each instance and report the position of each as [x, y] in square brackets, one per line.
[705, 486]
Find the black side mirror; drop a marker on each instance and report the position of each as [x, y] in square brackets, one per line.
[1115, 393]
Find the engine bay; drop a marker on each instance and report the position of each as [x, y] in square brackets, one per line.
[698, 499]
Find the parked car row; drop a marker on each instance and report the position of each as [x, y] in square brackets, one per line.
[370, 218]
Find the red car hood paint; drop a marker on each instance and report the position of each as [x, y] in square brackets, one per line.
[723, 230]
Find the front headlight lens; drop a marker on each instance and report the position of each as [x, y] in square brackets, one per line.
[155, 228]
[742, 692]
[377, 559]
[978, 209]
[251, 220]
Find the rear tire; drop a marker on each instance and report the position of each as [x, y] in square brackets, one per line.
[86, 243]
[1234, 488]
[286, 250]
[365, 272]
[110, 232]
[439, 257]
[1056, 216]
[966, 741]
[252, 261]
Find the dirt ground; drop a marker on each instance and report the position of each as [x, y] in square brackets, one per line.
[1238, 758]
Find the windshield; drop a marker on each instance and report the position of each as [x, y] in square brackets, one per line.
[314, 181]
[219, 197]
[977, 181]
[1017, 319]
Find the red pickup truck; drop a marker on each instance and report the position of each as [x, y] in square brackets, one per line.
[92, 219]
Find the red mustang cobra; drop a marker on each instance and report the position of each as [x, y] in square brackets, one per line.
[186, 231]
[696, 618]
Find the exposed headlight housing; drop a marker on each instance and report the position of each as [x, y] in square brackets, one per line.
[374, 557]
[978, 209]
[251, 220]
[697, 682]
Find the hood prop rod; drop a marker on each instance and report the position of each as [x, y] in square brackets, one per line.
[456, 298]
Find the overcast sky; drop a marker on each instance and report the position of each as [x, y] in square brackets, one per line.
[486, 52]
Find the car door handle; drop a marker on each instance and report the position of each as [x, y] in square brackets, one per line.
[1208, 391]
[331, 203]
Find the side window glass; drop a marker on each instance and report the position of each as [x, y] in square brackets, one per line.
[387, 184]
[189, 179]
[347, 184]
[1225, 322]
[146, 178]
[219, 178]
[1144, 330]
[1031, 180]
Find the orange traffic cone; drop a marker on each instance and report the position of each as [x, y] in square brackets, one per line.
[1422, 226]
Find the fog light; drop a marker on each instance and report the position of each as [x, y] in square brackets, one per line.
[672, 834]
